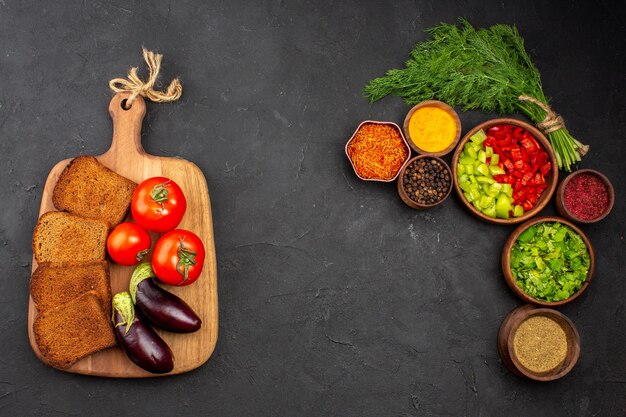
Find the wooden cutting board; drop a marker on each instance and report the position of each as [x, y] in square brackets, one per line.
[128, 158]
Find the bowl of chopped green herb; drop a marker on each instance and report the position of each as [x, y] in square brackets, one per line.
[548, 261]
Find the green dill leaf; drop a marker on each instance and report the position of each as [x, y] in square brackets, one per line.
[487, 69]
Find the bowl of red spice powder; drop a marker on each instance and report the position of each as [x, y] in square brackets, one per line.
[377, 151]
[585, 196]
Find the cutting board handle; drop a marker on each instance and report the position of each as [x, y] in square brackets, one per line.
[126, 126]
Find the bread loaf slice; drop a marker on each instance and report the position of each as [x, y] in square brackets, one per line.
[54, 284]
[66, 238]
[89, 189]
[70, 332]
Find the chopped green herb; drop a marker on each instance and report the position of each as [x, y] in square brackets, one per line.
[550, 261]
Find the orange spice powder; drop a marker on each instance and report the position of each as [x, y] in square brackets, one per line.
[377, 151]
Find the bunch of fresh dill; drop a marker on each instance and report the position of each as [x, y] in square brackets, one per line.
[487, 69]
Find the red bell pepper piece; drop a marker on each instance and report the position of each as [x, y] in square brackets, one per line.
[498, 132]
[533, 140]
[528, 144]
[516, 154]
[525, 156]
[542, 158]
[545, 169]
[518, 132]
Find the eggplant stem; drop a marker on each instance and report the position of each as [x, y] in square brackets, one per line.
[123, 304]
[141, 272]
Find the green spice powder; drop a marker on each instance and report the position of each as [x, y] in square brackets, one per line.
[540, 344]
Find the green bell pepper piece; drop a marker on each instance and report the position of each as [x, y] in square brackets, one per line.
[478, 137]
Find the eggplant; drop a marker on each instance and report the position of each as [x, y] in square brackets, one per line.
[140, 342]
[160, 307]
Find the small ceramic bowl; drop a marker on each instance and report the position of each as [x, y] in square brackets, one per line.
[560, 196]
[551, 179]
[395, 126]
[506, 348]
[402, 192]
[443, 106]
[506, 262]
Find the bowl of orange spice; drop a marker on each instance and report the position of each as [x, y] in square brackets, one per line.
[377, 151]
[432, 127]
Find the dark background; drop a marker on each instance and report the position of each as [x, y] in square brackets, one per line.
[334, 297]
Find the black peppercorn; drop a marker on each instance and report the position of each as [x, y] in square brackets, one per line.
[426, 181]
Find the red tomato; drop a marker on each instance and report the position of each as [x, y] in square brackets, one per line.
[178, 257]
[158, 204]
[128, 243]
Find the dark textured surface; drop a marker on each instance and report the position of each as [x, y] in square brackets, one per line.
[335, 298]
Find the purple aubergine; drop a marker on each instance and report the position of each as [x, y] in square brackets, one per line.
[160, 307]
[140, 342]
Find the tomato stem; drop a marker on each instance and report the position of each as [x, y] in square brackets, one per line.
[159, 193]
[186, 258]
[141, 254]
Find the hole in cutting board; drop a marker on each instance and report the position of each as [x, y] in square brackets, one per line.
[124, 107]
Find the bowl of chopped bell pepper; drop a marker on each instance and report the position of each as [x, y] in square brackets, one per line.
[504, 171]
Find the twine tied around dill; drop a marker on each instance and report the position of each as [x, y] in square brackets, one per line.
[137, 87]
[552, 121]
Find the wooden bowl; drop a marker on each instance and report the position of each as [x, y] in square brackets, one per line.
[506, 349]
[443, 106]
[551, 179]
[408, 149]
[506, 262]
[560, 196]
[402, 192]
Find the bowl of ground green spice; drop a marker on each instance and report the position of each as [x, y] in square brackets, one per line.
[548, 261]
[538, 343]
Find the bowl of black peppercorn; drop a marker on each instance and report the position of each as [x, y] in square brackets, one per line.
[424, 182]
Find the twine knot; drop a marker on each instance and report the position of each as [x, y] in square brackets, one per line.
[137, 87]
[552, 122]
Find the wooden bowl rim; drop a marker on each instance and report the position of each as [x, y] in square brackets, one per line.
[443, 106]
[561, 193]
[506, 261]
[408, 148]
[404, 196]
[573, 351]
[547, 193]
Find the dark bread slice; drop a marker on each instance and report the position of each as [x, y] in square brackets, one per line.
[89, 189]
[54, 284]
[66, 238]
[70, 332]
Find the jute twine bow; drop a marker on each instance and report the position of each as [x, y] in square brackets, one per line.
[552, 122]
[137, 87]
